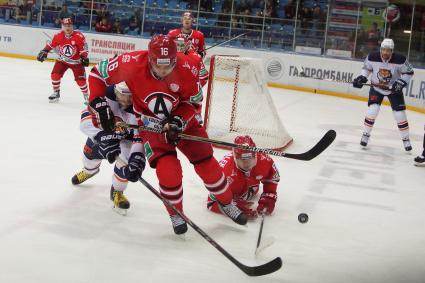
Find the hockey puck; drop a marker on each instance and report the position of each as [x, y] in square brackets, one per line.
[303, 218]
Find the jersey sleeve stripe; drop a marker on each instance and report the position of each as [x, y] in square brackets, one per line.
[85, 114]
[103, 69]
[197, 98]
[93, 74]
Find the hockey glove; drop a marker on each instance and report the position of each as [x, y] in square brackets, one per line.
[102, 115]
[108, 145]
[172, 128]
[85, 61]
[201, 53]
[245, 207]
[136, 165]
[398, 86]
[42, 55]
[266, 203]
[359, 81]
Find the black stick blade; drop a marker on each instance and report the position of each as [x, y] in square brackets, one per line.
[264, 269]
[323, 144]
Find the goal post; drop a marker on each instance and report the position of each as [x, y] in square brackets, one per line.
[238, 102]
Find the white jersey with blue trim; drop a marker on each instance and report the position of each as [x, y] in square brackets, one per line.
[385, 73]
[126, 115]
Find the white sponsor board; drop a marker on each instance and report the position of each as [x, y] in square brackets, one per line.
[30, 40]
[280, 68]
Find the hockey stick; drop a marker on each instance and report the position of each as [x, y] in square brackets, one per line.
[303, 75]
[260, 233]
[221, 43]
[259, 270]
[317, 149]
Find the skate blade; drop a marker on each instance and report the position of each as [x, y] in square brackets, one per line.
[56, 100]
[417, 164]
[181, 237]
[120, 211]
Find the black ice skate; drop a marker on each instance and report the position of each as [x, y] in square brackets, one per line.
[54, 97]
[407, 145]
[234, 213]
[420, 160]
[179, 225]
[365, 139]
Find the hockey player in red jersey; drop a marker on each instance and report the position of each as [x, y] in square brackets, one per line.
[196, 37]
[165, 87]
[73, 54]
[185, 46]
[244, 171]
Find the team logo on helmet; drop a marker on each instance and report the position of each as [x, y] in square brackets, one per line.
[384, 75]
[68, 50]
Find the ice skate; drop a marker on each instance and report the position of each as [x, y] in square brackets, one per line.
[364, 140]
[179, 224]
[121, 203]
[407, 145]
[420, 160]
[82, 176]
[54, 97]
[234, 213]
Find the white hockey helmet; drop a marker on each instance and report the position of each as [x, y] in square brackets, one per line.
[122, 89]
[123, 95]
[387, 43]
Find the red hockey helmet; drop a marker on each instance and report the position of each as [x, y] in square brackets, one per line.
[162, 53]
[245, 160]
[66, 21]
[188, 15]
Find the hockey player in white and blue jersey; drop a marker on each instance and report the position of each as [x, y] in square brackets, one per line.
[123, 143]
[389, 73]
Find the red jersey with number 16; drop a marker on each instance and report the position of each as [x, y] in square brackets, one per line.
[177, 94]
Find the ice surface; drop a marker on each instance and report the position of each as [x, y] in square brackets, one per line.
[366, 207]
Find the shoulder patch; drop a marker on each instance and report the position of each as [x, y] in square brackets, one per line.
[374, 57]
[398, 58]
[110, 93]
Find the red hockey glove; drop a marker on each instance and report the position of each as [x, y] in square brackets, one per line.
[267, 202]
[244, 206]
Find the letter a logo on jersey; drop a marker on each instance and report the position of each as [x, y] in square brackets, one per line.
[160, 104]
[68, 50]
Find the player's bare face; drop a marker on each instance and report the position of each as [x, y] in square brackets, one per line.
[124, 101]
[187, 23]
[68, 29]
[246, 164]
[162, 71]
[386, 53]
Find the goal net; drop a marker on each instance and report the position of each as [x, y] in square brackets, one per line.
[239, 103]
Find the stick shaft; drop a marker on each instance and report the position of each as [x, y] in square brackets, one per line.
[221, 43]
